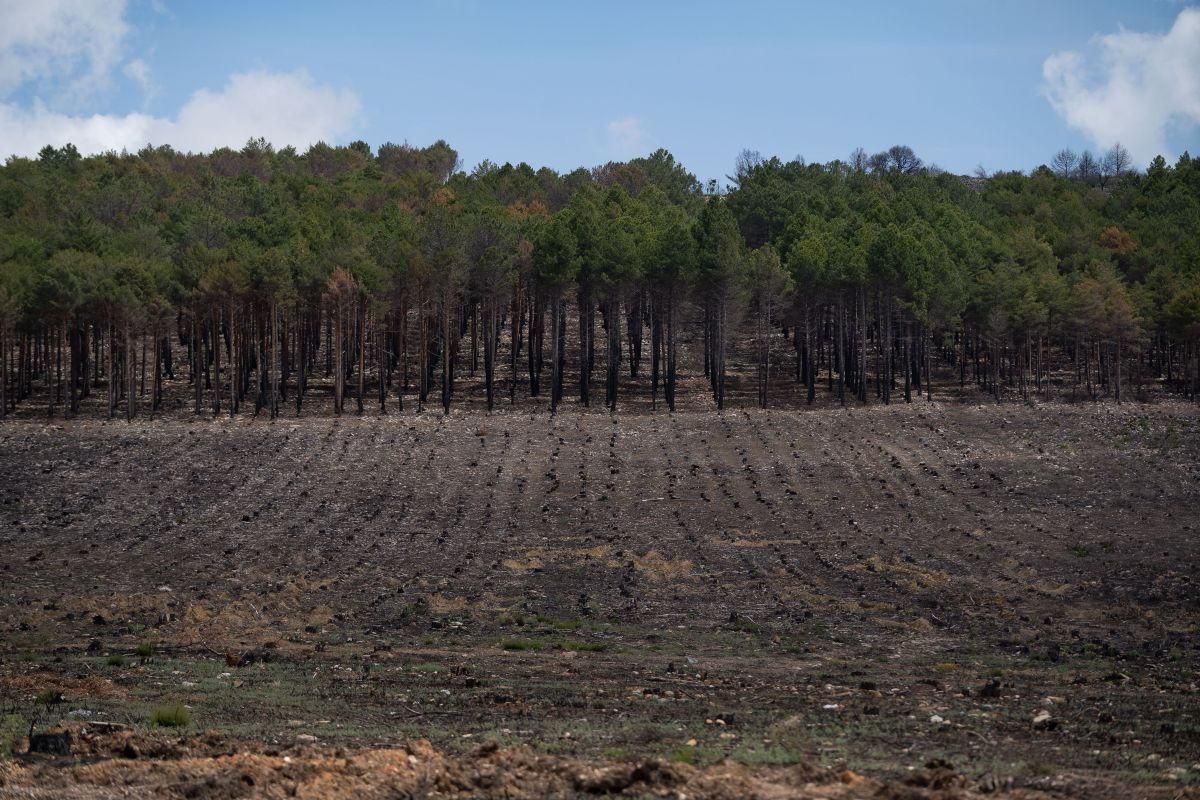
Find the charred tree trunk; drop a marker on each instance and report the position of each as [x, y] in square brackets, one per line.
[556, 346]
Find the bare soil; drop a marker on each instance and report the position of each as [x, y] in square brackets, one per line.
[926, 600]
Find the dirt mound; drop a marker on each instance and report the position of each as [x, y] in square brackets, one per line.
[107, 763]
[118, 763]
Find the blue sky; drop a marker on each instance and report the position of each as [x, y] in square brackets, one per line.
[572, 83]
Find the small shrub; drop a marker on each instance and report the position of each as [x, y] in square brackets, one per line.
[12, 728]
[171, 716]
[116, 660]
[412, 611]
[521, 644]
[145, 650]
[686, 755]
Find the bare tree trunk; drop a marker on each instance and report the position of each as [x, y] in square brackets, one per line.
[382, 346]
[841, 351]
[655, 342]
[672, 352]
[585, 334]
[556, 366]
[1117, 367]
[339, 378]
[156, 388]
[474, 338]
[216, 383]
[3, 369]
[614, 349]
[907, 361]
[491, 336]
[518, 313]
[112, 383]
[235, 361]
[926, 337]
[130, 374]
[446, 354]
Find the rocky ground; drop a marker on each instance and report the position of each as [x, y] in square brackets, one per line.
[909, 601]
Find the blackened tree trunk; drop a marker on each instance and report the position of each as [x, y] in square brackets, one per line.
[339, 369]
[514, 355]
[636, 313]
[655, 345]
[537, 337]
[907, 362]
[130, 374]
[361, 312]
[585, 335]
[556, 345]
[613, 321]
[491, 335]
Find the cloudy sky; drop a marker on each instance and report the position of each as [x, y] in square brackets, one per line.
[964, 82]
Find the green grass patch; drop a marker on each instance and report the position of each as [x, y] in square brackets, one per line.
[773, 755]
[171, 716]
[12, 728]
[520, 644]
[684, 755]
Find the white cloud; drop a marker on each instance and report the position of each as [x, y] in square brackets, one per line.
[67, 50]
[285, 108]
[138, 71]
[1134, 89]
[70, 46]
[626, 136]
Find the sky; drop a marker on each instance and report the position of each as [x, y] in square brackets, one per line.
[1001, 84]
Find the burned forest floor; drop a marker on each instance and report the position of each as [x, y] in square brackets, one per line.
[914, 601]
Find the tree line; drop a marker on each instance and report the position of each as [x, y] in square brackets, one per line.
[1087, 168]
[386, 276]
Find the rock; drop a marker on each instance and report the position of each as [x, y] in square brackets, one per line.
[990, 783]
[57, 743]
[1042, 721]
